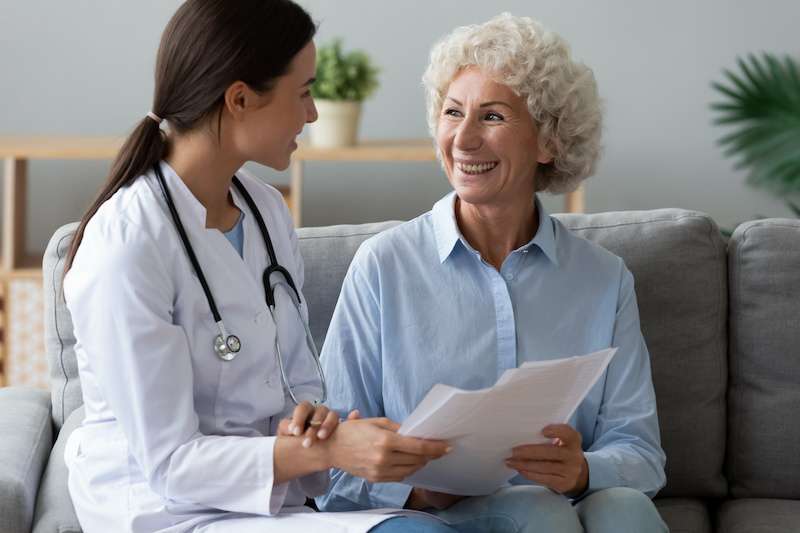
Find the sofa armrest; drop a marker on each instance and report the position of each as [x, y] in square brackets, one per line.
[26, 436]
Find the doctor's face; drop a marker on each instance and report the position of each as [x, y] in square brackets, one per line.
[270, 128]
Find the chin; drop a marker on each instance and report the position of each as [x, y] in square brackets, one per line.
[275, 163]
[470, 194]
[282, 166]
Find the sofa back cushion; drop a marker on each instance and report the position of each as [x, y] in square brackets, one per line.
[764, 436]
[59, 340]
[678, 261]
[327, 252]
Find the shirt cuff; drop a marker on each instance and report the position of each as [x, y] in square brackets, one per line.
[602, 472]
[276, 494]
[391, 495]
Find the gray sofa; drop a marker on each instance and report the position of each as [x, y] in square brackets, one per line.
[722, 321]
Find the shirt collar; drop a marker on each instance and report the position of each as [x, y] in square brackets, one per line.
[545, 237]
[188, 206]
[445, 227]
[448, 235]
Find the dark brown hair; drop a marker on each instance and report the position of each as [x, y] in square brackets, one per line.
[206, 46]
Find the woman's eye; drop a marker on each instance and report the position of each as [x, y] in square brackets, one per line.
[306, 94]
[492, 116]
[452, 112]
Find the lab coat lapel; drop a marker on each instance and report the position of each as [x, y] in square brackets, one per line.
[231, 278]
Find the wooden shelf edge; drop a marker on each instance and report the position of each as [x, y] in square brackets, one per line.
[31, 266]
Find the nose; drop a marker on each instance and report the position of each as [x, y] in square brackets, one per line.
[311, 111]
[468, 135]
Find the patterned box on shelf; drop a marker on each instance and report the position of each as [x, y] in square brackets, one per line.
[23, 354]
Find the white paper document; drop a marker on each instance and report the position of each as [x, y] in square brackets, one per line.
[483, 425]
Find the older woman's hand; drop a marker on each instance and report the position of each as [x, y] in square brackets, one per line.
[371, 449]
[560, 466]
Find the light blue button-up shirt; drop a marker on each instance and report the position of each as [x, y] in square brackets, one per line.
[419, 306]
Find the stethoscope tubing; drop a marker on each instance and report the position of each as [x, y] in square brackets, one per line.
[188, 247]
[274, 267]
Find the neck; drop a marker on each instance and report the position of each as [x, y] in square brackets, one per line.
[496, 231]
[200, 162]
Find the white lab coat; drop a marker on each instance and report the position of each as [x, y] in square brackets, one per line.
[174, 437]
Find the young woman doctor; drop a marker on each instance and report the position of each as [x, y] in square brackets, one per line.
[184, 282]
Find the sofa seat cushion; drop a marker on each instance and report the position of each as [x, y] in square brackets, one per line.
[26, 434]
[54, 510]
[756, 515]
[684, 515]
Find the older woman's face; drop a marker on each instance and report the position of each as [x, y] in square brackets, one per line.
[488, 140]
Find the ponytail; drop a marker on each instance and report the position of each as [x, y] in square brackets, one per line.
[143, 148]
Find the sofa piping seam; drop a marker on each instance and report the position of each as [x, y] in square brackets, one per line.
[58, 331]
[310, 237]
[641, 222]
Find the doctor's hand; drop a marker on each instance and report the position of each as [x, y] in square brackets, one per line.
[559, 466]
[312, 422]
[371, 449]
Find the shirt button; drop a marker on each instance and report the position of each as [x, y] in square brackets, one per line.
[509, 277]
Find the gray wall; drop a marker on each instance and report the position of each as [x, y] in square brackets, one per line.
[85, 67]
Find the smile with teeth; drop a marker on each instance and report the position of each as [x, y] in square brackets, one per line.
[479, 168]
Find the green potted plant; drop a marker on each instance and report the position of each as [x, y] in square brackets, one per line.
[343, 82]
[761, 107]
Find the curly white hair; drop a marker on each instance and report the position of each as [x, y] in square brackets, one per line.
[561, 94]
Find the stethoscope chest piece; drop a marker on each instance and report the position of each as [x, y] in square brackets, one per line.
[227, 348]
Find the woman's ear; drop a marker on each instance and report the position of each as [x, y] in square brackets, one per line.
[237, 98]
[544, 156]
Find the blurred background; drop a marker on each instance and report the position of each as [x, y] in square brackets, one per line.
[86, 68]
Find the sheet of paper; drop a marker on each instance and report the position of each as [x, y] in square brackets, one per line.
[483, 425]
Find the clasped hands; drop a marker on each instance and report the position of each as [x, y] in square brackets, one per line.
[368, 448]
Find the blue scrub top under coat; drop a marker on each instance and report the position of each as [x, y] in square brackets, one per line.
[419, 306]
[236, 235]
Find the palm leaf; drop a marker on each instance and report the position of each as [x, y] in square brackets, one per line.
[760, 106]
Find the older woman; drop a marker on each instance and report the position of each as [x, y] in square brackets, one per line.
[487, 280]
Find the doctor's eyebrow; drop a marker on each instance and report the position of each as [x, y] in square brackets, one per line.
[309, 82]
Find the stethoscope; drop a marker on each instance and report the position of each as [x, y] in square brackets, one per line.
[228, 346]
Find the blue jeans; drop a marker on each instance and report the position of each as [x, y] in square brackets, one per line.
[411, 524]
[529, 509]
